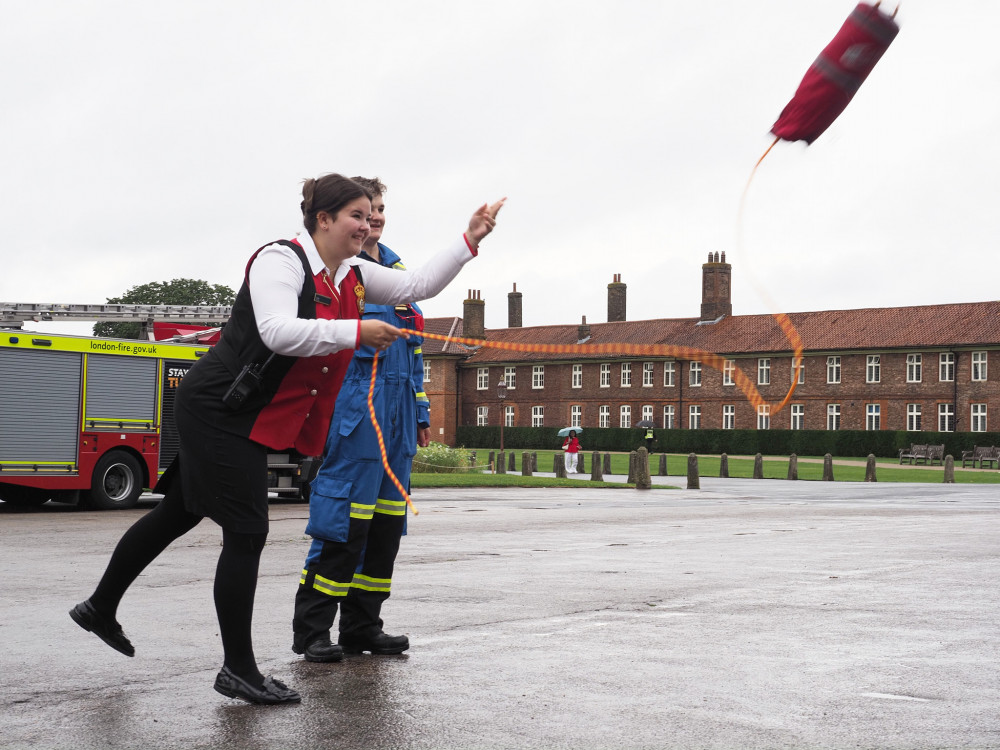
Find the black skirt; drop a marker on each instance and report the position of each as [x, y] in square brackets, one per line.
[223, 474]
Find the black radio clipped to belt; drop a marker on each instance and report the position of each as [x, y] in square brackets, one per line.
[247, 383]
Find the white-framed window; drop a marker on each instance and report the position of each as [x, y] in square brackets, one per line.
[647, 412]
[694, 417]
[833, 369]
[694, 374]
[538, 376]
[482, 416]
[577, 379]
[605, 375]
[913, 417]
[537, 416]
[508, 416]
[728, 417]
[669, 368]
[873, 370]
[798, 416]
[873, 417]
[604, 416]
[647, 374]
[946, 366]
[625, 416]
[482, 378]
[668, 417]
[802, 370]
[764, 417]
[979, 417]
[427, 371]
[946, 417]
[575, 415]
[764, 371]
[833, 416]
[979, 365]
[510, 377]
[914, 368]
[626, 374]
[729, 372]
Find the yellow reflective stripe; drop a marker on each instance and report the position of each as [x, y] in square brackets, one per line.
[422, 395]
[368, 583]
[330, 588]
[419, 350]
[362, 511]
[399, 264]
[391, 507]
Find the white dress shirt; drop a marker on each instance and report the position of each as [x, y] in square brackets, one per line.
[276, 279]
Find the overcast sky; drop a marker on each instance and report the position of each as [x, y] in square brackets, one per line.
[150, 141]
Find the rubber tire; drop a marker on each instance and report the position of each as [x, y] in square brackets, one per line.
[16, 494]
[116, 483]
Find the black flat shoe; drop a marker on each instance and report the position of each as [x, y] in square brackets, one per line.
[321, 650]
[107, 630]
[270, 693]
[377, 644]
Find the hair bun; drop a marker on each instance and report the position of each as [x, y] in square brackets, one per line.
[308, 190]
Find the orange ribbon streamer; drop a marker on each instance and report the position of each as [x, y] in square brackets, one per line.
[656, 350]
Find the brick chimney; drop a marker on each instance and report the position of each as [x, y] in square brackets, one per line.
[716, 288]
[514, 308]
[616, 299]
[582, 331]
[474, 316]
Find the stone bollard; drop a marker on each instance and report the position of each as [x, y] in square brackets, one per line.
[580, 463]
[559, 466]
[758, 467]
[793, 467]
[694, 483]
[949, 469]
[607, 464]
[827, 468]
[663, 465]
[534, 460]
[501, 463]
[525, 464]
[724, 466]
[491, 464]
[596, 475]
[631, 468]
[512, 467]
[642, 479]
[870, 469]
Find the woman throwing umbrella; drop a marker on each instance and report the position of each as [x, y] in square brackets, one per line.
[270, 383]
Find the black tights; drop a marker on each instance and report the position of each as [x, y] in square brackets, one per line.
[235, 575]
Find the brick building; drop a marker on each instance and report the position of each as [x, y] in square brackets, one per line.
[904, 368]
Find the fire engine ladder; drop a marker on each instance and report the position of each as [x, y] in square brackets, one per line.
[14, 314]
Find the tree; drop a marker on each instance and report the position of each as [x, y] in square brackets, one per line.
[175, 292]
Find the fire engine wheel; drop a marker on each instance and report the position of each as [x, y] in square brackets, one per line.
[117, 482]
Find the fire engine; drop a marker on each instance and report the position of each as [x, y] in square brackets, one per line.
[89, 420]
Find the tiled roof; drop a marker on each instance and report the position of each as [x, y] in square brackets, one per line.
[954, 325]
[443, 327]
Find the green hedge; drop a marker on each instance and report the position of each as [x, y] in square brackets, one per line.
[883, 444]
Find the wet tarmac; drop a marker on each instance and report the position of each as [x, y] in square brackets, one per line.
[749, 614]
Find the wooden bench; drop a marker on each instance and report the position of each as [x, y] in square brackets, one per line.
[935, 453]
[981, 454]
[913, 453]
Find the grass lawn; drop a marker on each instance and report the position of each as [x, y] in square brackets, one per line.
[775, 467]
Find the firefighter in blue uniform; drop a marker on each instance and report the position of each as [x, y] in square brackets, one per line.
[356, 514]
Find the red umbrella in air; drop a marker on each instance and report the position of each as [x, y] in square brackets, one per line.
[837, 74]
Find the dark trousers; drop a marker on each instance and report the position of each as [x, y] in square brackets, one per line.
[356, 574]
